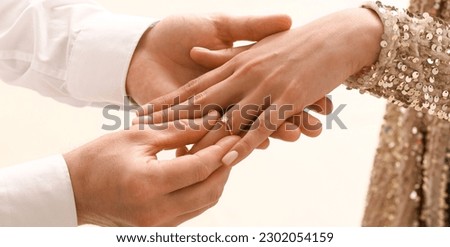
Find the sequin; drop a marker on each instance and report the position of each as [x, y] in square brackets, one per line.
[408, 79]
[436, 99]
[435, 71]
[395, 27]
[413, 195]
[404, 68]
[432, 79]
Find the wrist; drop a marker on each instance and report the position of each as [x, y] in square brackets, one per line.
[76, 174]
[135, 84]
[367, 37]
[134, 87]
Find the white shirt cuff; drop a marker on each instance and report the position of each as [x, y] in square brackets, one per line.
[101, 56]
[37, 193]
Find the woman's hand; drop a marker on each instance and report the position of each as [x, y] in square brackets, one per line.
[118, 181]
[161, 62]
[278, 77]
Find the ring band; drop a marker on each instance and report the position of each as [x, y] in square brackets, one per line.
[224, 120]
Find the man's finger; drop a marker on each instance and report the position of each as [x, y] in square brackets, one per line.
[252, 28]
[171, 135]
[199, 195]
[191, 169]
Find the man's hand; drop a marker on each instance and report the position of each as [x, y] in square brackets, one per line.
[162, 61]
[118, 181]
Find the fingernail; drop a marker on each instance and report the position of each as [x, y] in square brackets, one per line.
[229, 158]
[213, 112]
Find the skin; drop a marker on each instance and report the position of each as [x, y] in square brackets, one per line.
[118, 181]
[289, 67]
[162, 62]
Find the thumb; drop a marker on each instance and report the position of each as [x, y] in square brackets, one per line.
[254, 28]
[179, 133]
[212, 59]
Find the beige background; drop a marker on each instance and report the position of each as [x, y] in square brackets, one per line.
[314, 182]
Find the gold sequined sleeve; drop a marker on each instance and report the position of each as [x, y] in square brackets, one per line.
[413, 69]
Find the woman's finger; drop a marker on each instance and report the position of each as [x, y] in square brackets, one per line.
[181, 151]
[323, 106]
[172, 135]
[212, 59]
[264, 145]
[287, 132]
[193, 87]
[266, 123]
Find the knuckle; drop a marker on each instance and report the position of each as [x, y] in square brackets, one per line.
[245, 147]
[222, 24]
[252, 68]
[202, 170]
[164, 100]
[191, 87]
[162, 116]
[199, 98]
[133, 135]
[184, 123]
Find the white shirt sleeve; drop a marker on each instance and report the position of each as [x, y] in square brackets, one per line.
[74, 51]
[37, 193]
[78, 53]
